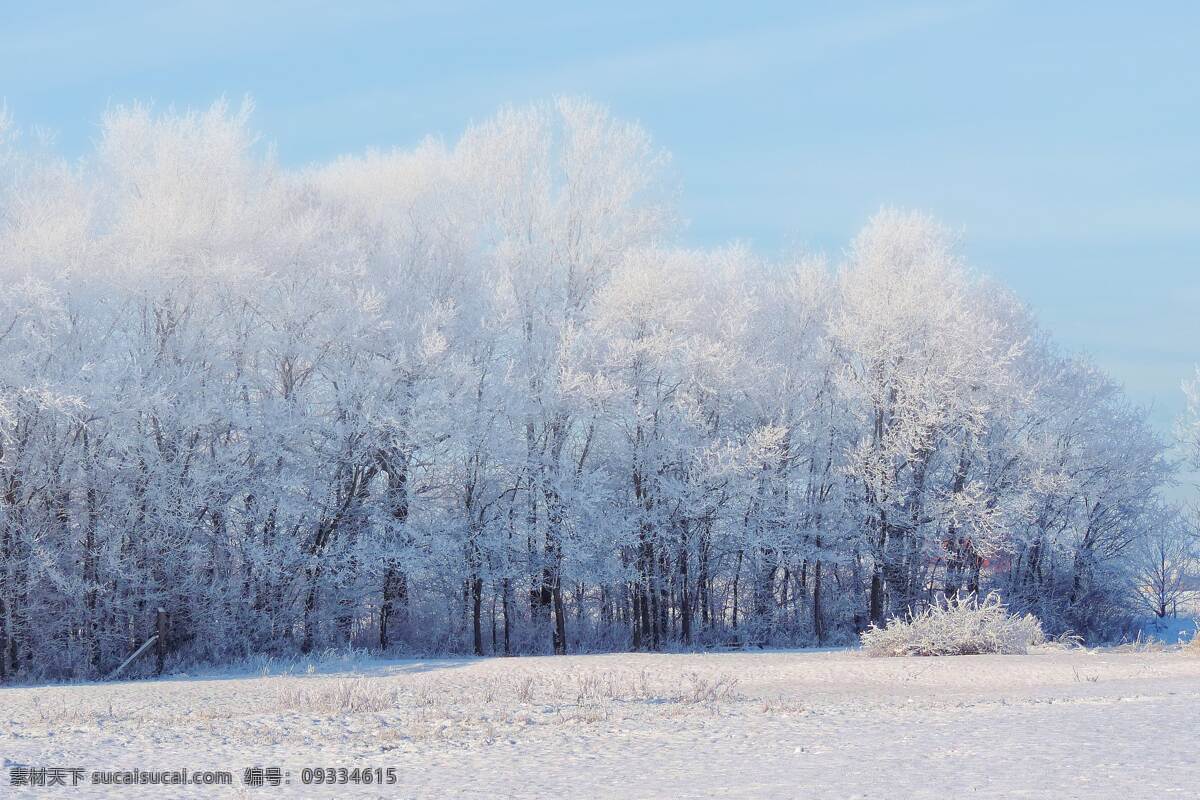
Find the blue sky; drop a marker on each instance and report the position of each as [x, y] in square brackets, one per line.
[1062, 139]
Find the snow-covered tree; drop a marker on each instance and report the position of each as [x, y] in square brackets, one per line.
[474, 397]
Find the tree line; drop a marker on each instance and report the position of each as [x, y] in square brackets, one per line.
[476, 397]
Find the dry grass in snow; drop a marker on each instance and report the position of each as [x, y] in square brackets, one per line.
[1075, 723]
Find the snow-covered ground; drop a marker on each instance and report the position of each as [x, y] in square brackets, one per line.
[764, 724]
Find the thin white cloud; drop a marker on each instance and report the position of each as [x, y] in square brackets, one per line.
[702, 63]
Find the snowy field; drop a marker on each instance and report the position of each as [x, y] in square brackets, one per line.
[769, 724]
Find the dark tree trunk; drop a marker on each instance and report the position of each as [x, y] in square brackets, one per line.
[818, 618]
[643, 607]
[664, 595]
[506, 591]
[310, 610]
[685, 600]
[387, 607]
[875, 606]
[3, 638]
[476, 613]
[737, 579]
[395, 582]
[160, 624]
[637, 621]
[560, 621]
[703, 585]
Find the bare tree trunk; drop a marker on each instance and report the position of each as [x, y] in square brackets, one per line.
[507, 607]
[492, 616]
[643, 606]
[395, 582]
[703, 584]
[737, 578]
[685, 600]
[310, 609]
[160, 625]
[637, 620]
[560, 620]
[664, 594]
[476, 608]
[875, 603]
[90, 579]
[818, 618]
[763, 595]
[387, 607]
[3, 634]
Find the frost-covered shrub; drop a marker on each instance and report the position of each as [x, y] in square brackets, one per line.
[961, 626]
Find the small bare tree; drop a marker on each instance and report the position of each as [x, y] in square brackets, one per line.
[1166, 560]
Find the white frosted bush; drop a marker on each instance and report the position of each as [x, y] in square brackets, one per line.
[960, 626]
